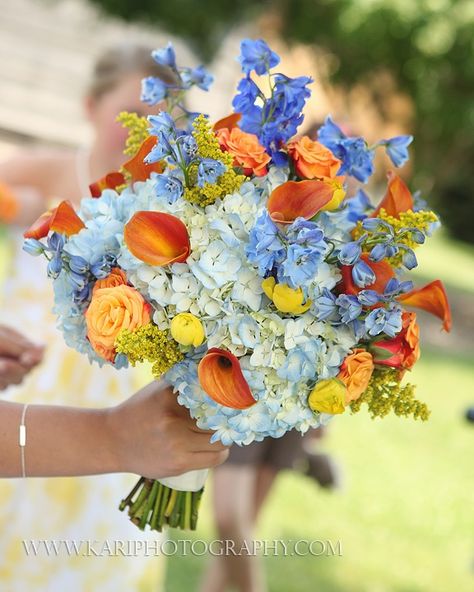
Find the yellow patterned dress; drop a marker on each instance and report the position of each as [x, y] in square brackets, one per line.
[106, 552]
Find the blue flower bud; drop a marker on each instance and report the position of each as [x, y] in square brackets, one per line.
[406, 286]
[165, 56]
[397, 149]
[362, 274]
[77, 281]
[56, 241]
[417, 236]
[350, 253]
[378, 253]
[33, 247]
[391, 250]
[54, 266]
[409, 259]
[368, 297]
[371, 224]
[78, 264]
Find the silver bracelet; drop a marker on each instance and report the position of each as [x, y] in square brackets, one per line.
[22, 439]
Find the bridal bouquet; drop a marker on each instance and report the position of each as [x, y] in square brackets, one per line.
[230, 257]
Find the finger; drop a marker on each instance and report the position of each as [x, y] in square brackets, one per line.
[12, 343]
[206, 460]
[32, 357]
[200, 443]
[11, 372]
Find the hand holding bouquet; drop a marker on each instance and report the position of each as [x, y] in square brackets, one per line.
[230, 257]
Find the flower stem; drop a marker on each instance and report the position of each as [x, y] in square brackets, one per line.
[150, 502]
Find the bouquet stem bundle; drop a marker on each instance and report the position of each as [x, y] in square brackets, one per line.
[150, 502]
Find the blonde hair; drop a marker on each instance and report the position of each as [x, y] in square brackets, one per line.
[117, 62]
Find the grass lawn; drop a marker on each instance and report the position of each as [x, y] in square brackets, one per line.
[404, 517]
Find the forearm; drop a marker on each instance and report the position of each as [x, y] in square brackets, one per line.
[60, 441]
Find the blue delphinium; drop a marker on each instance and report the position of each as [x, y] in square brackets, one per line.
[349, 307]
[356, 156]
[199, 77]
[357, 159]
[358, 207]
[350, 253]
[255, 55]
[169, 186]
[274, 119]
[306, 251]
[362, 274]
[33, 247]
[397, 149]
[155, 90]
[265, 248]
[325, 306]
[209, 170]
[165, 56]
[384, 320]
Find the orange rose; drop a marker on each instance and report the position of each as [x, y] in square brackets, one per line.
[355, 373]
[312, 159]
[116, 277]
[403, 350]
[110, 311]
[247, 151]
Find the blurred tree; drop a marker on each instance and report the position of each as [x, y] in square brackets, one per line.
[427, 47]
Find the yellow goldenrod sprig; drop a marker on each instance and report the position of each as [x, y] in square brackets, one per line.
[151, 344]
[208, 147]
[137, 131]
[420, 220]
[385, 393]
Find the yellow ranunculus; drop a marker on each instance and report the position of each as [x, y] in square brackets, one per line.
[187, 329]
[338, 195]
[328, 396]
[285, 298]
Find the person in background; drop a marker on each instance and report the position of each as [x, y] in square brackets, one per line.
[31, 181]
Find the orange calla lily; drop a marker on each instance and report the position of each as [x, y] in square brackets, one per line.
[62, 219]
[228, 122]
[383, 273]
[397, 199]
[221, 377]
[140, 170]
[298, 198]
[157, 238]
[109, 181]
[433, 299]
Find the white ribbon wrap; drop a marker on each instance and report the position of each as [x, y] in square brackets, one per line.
[190, 481]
